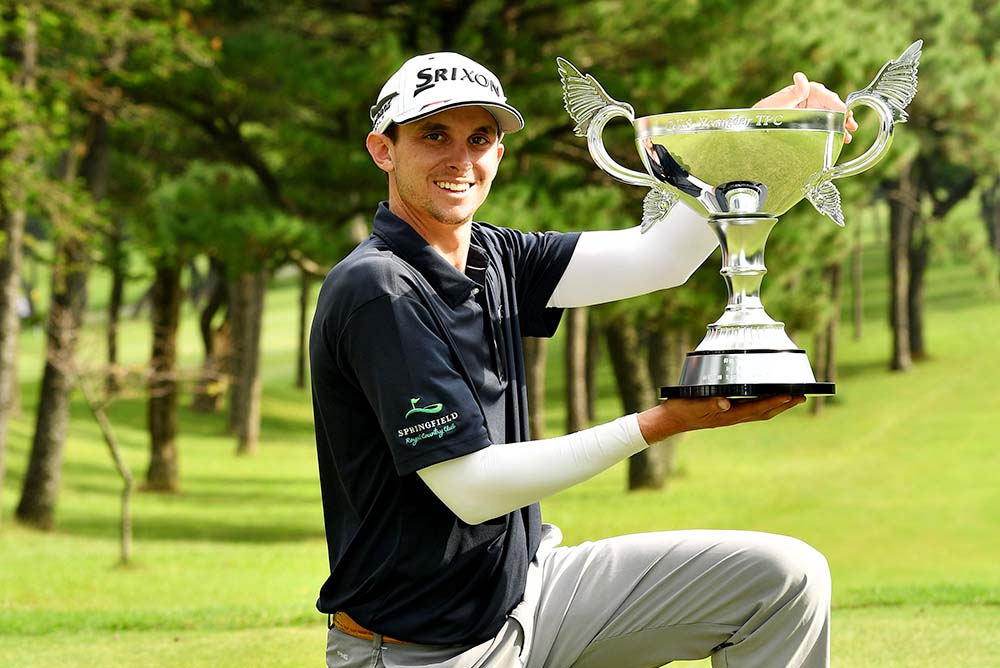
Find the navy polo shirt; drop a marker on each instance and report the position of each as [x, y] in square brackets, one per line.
[414, 363]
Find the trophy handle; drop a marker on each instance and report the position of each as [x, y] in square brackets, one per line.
[820, 191]
[882, 142]
[889, 93]
[590, 106]
[595, 142]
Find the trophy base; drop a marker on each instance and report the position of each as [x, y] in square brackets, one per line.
[745, 390]
[741, 374]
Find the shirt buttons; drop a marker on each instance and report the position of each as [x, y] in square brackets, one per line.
[475, 291]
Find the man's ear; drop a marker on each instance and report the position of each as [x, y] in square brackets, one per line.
[380, 148]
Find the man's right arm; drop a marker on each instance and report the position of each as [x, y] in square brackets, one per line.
[506, 476]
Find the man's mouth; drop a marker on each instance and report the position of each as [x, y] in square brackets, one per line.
[453, 186]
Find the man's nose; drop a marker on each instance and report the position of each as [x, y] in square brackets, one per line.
[460, 156]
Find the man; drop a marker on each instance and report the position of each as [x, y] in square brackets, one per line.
[430, 483]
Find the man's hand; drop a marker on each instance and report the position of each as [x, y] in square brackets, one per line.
[679, 415]
[805, 94]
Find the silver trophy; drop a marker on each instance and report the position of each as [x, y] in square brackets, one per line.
[742, 168]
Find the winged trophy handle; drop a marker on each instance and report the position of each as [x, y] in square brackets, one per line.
[590, 106]
[888, 94]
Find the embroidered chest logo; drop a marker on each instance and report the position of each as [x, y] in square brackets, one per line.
[430, 409]
[436, 428]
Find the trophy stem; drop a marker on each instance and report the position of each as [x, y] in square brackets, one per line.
[743, 270]
[744, 324]
[745, 353]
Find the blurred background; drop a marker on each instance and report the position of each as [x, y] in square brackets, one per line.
[176, 178]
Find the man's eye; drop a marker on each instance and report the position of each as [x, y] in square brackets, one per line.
[434, 136]
[480, 141]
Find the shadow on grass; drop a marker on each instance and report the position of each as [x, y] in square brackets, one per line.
[130, 414]
[178, 527]
[217, 495]
[938, 301]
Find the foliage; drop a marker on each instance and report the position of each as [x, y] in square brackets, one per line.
[238, 127]
[219, 210]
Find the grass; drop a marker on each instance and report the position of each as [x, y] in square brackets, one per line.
[897, 482]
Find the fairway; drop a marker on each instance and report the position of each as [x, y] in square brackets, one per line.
[897, 482]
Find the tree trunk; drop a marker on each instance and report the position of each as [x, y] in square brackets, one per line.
[645, 470]
[667, 349]
[902, 210]
[213, 376]
[162, 475]
[919, 254]
[824, 356]
[10, 323]
[535, 355]
[40, 490]
[989, 207]
[117, 266]
[305, 282]
[817, 357]
[594, 337]
[22, 50]
[857, 285]
[576, 370]
[246, 310]
[829, 370]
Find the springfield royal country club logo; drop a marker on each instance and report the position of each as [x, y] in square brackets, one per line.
[435, 428]
[430, 409]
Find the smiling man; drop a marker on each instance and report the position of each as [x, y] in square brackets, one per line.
[430, 480]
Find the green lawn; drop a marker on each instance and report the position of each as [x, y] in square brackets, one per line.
[897, 482]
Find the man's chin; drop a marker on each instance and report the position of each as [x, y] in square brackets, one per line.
[454, 217]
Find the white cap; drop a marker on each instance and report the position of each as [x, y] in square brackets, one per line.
[433, 82]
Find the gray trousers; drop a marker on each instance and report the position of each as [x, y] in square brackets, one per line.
[748, 600]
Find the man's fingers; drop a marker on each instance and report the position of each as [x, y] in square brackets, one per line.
[788, 405]
[801, 88]
[788, 97]
[821, 97]
[765, 408]
[850, 123]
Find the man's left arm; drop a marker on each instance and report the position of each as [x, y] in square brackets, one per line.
[618, 264]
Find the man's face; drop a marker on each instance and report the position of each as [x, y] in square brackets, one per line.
[441, 167]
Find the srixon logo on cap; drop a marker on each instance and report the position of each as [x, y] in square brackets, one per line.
[429, 77]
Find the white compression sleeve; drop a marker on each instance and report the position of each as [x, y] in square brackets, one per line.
[617, 264]
[506, 476]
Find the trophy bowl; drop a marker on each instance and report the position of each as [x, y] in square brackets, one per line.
[779, 151]
[741, 169]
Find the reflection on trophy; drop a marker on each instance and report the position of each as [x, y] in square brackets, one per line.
[741, 169]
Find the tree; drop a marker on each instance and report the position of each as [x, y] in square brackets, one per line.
[20, 53]
[90, 43]
[646, 468]
[575, 364]
[952, 121]
[989, 207]
[40, 490]
[224, 213]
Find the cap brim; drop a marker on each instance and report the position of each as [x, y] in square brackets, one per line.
[508, 118]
